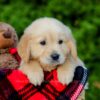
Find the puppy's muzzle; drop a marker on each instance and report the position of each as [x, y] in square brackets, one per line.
[55, 56]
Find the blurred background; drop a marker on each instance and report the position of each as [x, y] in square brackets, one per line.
[82, 16]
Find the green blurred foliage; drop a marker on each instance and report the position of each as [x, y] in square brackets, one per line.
[82, 16]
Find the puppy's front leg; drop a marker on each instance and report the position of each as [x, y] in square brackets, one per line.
[65, 72]
[33, 71]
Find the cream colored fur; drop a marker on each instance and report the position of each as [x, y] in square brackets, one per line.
[36, 57]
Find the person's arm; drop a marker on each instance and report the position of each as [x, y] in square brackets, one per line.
[75, 88]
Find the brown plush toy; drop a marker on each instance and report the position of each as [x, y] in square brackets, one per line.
[8, 41]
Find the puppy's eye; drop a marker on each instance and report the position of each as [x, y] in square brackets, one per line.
[60, 41]
[43, 42]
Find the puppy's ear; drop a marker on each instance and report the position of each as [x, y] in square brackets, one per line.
[24, 48]
[72, 46]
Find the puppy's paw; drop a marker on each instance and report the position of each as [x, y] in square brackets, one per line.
[65, 76]
[36, 78]
[33, 71]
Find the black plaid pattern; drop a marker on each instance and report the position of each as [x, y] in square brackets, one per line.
[7, 91]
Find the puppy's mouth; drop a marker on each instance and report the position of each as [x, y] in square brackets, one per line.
[52, 63]
[49, 64]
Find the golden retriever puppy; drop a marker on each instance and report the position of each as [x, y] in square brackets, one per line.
[45, 45]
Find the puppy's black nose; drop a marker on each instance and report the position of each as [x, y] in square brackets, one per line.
[7, 34]
[55, 56]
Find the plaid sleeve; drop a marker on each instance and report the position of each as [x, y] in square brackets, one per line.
[6, 89]
[74, 89]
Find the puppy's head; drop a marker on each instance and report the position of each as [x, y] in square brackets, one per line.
[48, 41]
